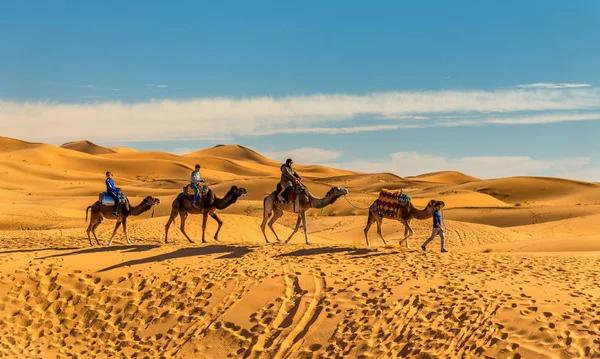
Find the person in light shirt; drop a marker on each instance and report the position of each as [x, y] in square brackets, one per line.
[195, 181]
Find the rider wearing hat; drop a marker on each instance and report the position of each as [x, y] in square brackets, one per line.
[288, 178]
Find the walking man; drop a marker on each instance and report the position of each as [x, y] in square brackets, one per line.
[437, 229]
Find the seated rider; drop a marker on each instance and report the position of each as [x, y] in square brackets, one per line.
[113, 191]
[194, 182]
[288, 178]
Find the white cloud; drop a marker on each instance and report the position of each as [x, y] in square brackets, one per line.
[333, 130]
[305, 155]
[151, 86]
[414, 163]
[225, 117]
[521, 120]
[183, 151]
[86, 86]
[91, 97]
[552, 85]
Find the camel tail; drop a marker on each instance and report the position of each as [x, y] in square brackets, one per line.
[86, 213]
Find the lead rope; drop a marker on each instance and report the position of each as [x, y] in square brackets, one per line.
[444, 221]
[350, 203]
[250, 203]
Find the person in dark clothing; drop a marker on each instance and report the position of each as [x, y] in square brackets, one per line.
[113, 191]
[288, 178]
[438, 228]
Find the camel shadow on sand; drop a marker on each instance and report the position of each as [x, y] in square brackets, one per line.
[326, 250]
[125, 249]
[229, 252]
[37, 250]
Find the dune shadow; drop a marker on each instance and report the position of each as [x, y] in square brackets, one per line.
[125, 248]
[373, 255]
[325, 250]
[227, 250]
[38, 250]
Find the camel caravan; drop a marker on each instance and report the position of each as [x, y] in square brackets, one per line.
[291, 195]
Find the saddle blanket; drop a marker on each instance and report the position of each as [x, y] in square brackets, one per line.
[389, 203]
[189, 190]
[108, 200]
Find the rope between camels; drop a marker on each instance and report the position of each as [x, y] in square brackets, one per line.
[250, 203]
[350, 203]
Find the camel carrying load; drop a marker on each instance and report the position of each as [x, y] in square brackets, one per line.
[188, 190]
[107, 200]
[389, 203]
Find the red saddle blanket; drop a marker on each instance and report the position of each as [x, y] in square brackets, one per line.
[388, 203]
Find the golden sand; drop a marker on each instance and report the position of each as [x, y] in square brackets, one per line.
[521, 279]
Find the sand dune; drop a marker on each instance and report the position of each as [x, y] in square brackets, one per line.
[87, 147]
[519, 281]
[447, 177]
[525, 190]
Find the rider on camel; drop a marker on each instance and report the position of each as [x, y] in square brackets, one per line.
[195, 180]
[289, 177]
[113, 191]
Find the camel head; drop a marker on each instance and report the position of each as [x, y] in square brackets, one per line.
[431, 205]
[335, 193]
[235, 193]
[151, 201]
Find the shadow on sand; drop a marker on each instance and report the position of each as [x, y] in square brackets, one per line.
[126, 249]
[229, 252]
[326, 250]
[38, 250]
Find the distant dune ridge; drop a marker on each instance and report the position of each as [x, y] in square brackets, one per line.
[87, 147]
[519, 281]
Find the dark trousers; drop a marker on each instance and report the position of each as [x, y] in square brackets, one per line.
[117, 200]
[286, 193]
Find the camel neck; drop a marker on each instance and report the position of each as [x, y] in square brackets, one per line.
[228, 200]
[421, 213]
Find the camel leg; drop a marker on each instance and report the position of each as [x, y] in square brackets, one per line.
[220, 222]
[263, 225]
[88, 230]
[94, 231]
[125, 230]
[379, 221]
[204, 218]
[298, 222]
[303, 214]
[114, 232]
[183, 216]
[370, 220]
[278, 214]
[407, 228]
[171, 219]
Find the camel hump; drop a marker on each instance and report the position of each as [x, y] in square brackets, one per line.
[389, 203]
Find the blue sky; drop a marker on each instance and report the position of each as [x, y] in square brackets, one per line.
[492, 89]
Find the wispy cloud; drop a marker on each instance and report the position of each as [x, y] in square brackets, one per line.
[85, 86]
[328, 114]
[91, 97]
[414, 163]
[152, 86]
[305, 155]
[552, 85]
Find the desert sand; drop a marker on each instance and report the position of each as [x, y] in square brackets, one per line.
[521, 279]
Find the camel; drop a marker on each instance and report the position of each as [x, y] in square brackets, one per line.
[100, 211]
[306, 202]
[407, 213]
[182, 205]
